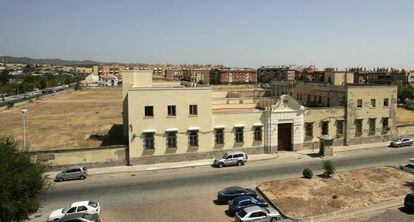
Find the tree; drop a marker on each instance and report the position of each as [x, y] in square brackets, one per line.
[307, 173]
[4, 76]
[329, 168]
[21, 182]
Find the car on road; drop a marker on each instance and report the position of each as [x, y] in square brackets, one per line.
[245, 201]
[256, 213]
[409, 167]
[401, 142]
[72, 173]
[230, 193]
[231, 158]
[90, 207]
[81, 217]
[409, 202]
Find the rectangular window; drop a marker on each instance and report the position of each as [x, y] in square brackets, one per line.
[385, 127]
[359, 103]
[325, 127]
[258, 134]
[386, 102]
[339, 128]
[171, 111]
[239, 135]
[193, 138]
[149, 140]
[358, 127]
[149, 111]
[309, 130]
[373, 103]
[171, 139]
[193, 110]
[372, 126]
[219, 136]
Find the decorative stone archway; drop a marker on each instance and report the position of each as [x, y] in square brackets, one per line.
[286, 111]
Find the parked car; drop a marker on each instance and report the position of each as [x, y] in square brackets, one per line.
[231, 158]
[256, 213]
[409, 167]
[409, 201]
[401, 142]
[81, 217]
[231, 193]
[76, 172]
[90, 207]
[245, 201]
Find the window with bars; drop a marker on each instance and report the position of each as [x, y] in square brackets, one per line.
[372, 126]
[385, 126]
[219, 136]
[171, 139]
[325, 127]
[309, 130]
[193, 138]
[149, 140]
[239, 135]
[339, 128]
[358, 127]
[258, 133]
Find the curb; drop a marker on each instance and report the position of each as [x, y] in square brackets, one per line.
[273, 204]
[167, 168]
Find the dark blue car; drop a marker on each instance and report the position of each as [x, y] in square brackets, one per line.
[409, 202]
[231, 193]
[245, 201]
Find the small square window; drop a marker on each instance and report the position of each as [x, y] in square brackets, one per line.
[193, 110]
[171, 111]
[386, 102]
[373, 103]
[359, 103]
[149, 111]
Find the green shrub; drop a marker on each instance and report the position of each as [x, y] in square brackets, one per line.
[307, 173]
[329, 168]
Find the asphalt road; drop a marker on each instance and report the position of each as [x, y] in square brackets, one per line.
[188, 193]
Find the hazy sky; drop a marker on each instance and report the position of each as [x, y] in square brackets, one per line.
[232, 32]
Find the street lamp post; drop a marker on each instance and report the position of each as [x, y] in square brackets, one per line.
[24, 111]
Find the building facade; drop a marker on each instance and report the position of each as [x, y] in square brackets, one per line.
[181, 123]
[233, 76]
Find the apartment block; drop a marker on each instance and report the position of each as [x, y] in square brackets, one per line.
[233, 76]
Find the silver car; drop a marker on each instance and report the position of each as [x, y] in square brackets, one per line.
[231, 158]
[256, 213]
[401, 142]
[72, 173]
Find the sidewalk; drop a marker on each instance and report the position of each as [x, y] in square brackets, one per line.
[284, 155]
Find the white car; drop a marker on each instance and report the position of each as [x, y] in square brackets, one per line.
[401, 142]
[256, 213]
[89, 207]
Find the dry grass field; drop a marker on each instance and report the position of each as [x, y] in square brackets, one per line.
[302, 198]
[67, 119]
[405, 117]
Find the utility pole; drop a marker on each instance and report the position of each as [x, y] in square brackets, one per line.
[24, 111]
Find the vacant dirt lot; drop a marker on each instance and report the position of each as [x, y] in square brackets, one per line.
[66, 120]
[303, 198]
[405, 116]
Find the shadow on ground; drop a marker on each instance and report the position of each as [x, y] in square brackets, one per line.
[114, 136]
[405, 210]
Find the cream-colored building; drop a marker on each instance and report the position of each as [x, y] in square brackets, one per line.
[165, 121]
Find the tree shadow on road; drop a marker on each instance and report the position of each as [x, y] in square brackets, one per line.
[218, 202]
